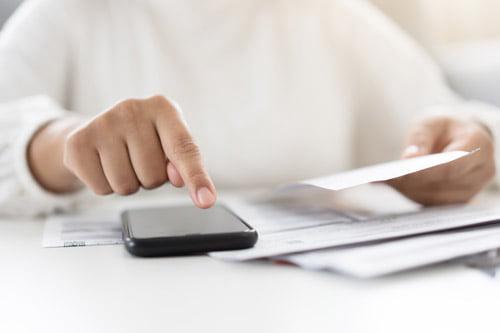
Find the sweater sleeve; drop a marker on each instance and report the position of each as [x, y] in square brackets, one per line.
[396, 82]
[33, 63]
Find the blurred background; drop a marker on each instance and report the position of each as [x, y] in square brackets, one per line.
[462, 35]
[6, 8]
[438, 22]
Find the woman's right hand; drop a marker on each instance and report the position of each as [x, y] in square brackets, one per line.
[137, 143]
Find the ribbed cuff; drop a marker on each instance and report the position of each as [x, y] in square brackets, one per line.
[37, 112]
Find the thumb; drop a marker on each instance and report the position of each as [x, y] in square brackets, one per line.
[420, 141]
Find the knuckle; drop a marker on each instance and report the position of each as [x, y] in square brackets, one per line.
[126, 117]
[150, 183]
[102, 190]
[420, 135]
[478, 136]
[127, 189]
[428, 121]
[126, 186]
[128, 111]
[127, 104]
[196, 175]
[159, 100]
[185, 148]
[164, 106]
[103, 123]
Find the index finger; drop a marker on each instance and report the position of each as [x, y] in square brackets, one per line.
[419, 141]
[184, 154]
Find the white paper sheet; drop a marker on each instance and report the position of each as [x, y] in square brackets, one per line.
[74, 230]
[381, 172]
[394, 256]
[284, 232]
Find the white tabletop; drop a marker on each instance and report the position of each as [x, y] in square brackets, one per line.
[104, 289]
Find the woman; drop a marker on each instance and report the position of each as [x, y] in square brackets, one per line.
[271, 90]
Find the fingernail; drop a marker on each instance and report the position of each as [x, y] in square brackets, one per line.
[205, 197]
[411, 150]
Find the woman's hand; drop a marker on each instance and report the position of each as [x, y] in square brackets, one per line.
[456, 182]
[137, 143]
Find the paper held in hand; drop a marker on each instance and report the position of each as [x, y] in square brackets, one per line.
[381, 172]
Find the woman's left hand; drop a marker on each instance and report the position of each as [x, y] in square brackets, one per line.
[455, 182]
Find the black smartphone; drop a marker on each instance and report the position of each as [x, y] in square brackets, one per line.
[183, 230]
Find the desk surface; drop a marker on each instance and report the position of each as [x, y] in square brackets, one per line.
[103, 289]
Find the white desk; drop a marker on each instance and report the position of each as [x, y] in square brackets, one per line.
[103, 289]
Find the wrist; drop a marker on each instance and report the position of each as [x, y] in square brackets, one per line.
[45, 156]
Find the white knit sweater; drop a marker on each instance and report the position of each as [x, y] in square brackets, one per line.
[273, 90]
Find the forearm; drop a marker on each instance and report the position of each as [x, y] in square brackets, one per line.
[45, 156]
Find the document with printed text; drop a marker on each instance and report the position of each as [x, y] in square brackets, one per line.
[284, 228]
[372, 260]
[74, 230]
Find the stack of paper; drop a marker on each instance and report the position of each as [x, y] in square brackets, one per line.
[318, 233]
[371, 260]
[363, 231]
[312, 233]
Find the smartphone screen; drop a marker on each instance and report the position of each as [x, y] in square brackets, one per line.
[182, 221]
